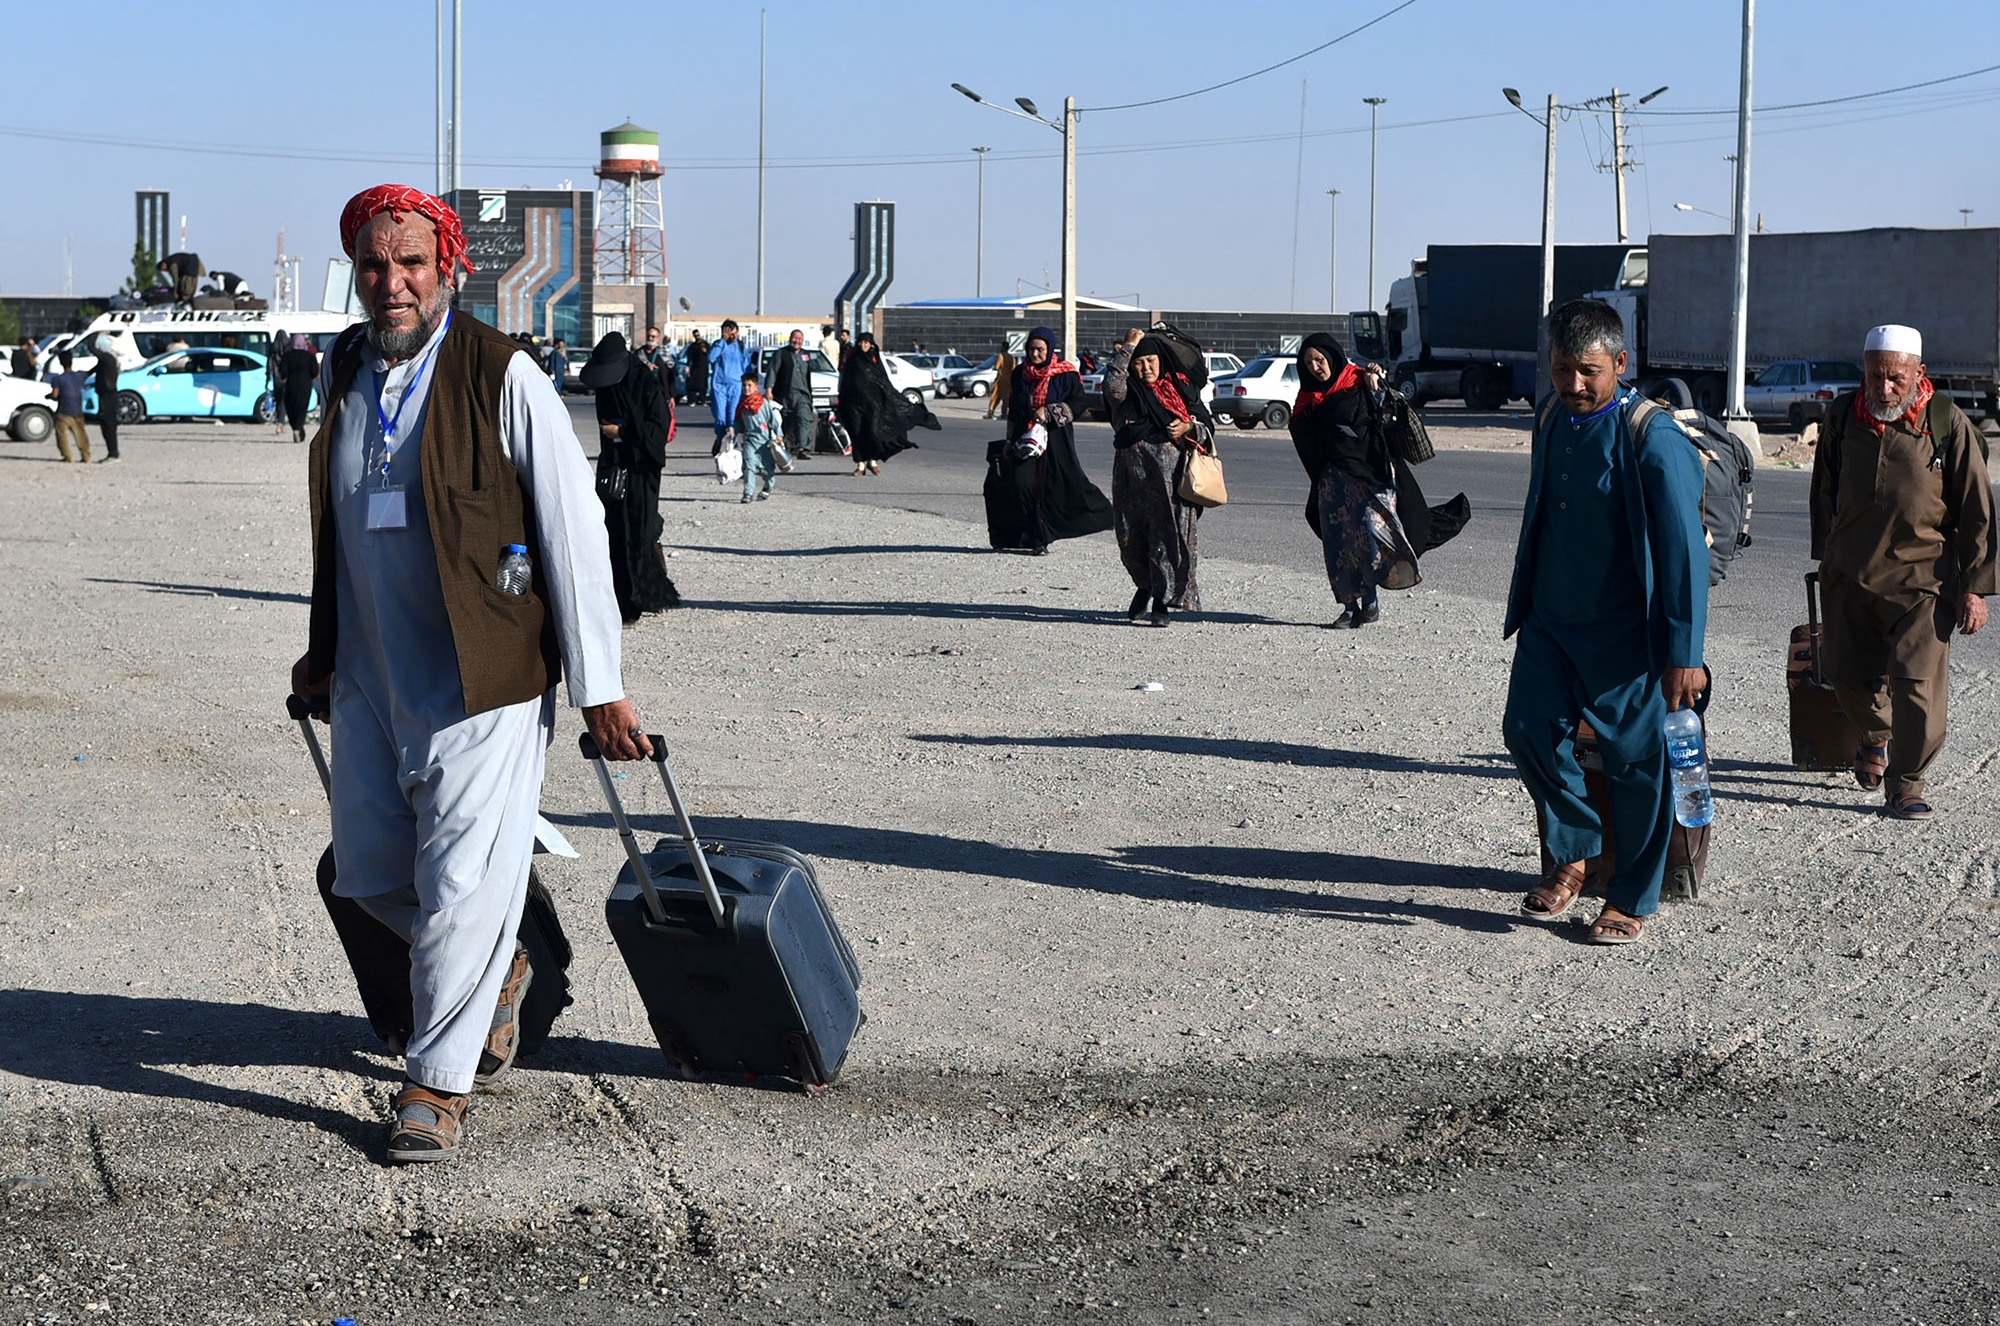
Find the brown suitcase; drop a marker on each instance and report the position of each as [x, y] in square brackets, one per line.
[1687, 849]
[1823, 737]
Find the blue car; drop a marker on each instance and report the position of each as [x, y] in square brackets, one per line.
[193, 384]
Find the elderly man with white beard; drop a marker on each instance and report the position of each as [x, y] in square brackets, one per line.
[1902, 524]
[445, 449]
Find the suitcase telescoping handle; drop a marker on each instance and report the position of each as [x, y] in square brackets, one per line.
[588, 744]
[1814, 674]
[302, 713]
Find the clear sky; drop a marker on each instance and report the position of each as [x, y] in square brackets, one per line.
[261, 117]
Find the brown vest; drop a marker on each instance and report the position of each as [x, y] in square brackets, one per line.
[476, 505]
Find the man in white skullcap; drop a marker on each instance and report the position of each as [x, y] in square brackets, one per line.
[1902, 524]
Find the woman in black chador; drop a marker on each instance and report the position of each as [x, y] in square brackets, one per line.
[634, 418]
[1159, 417]
[1365, 504]
[1036, 491]
[299, 370]
[874, 413]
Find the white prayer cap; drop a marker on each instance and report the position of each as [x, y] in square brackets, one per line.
[1896, 339]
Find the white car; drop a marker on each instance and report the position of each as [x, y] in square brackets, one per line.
[25, 405]
[1261, 392]
[913, 380]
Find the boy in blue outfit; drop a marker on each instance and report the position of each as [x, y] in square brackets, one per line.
[757, 436]
[1610, 603]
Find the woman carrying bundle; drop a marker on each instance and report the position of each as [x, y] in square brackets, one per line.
[1036, 490]
[1156, 421]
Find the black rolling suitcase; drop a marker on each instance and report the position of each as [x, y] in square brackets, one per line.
[743, 971]
[1823, 736]
[381, 960]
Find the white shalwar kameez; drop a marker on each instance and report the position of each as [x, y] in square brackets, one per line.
[434, 811]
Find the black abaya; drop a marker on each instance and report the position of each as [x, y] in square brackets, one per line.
[639, 406]
[877, 417]
[300, 369]
[1031, 501]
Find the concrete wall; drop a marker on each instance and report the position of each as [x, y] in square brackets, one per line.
[977, 332]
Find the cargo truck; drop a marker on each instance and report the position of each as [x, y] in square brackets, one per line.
[1814, 296]
[1464, 324]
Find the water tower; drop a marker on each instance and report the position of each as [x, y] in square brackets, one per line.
[631, 222]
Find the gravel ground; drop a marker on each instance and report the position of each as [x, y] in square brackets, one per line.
[1202, 1003]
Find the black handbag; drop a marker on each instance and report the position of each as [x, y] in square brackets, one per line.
[1404, 428]
[611, 481]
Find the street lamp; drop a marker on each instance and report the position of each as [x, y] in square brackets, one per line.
[1690, 207]
[1068, 131]
[1964, 216]
[1333, 249]
[979, 243]
[1374, 107]
[1548, 123]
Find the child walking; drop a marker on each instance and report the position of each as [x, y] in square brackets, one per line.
[757, 437]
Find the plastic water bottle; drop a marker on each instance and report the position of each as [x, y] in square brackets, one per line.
[1687, 765]
[514, 574]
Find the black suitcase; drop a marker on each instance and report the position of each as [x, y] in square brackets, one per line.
[381, 960]
[1823, 736]
[742, 969]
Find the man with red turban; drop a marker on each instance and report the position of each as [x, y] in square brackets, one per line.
[445, 461]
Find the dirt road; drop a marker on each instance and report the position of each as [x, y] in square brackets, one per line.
[1196, 1004]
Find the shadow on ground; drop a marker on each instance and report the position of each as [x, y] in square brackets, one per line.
[1255, 752]
[1204, 875]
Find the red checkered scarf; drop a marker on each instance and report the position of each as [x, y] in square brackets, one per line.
[1038, 377]
[1920, 400]
[396, 199]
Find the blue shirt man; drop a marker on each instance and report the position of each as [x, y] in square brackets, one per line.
[728, 360]
[1610, 605]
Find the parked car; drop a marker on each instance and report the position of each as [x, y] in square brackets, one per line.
[825, 377]
[977, 381]
[942, 367]
[1220, 364]
[913, 380]
[1799, 390]
[25, 405]
[1261, 392]
[192, 384]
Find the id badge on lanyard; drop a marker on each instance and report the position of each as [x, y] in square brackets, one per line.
[388, 506]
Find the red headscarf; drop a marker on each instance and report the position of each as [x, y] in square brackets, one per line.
[396, 199]
[1309, 397]
[1169, 397]
[1920, 399]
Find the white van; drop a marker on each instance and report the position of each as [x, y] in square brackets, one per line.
[136, 335]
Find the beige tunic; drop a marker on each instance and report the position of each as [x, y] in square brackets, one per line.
[1899, 539]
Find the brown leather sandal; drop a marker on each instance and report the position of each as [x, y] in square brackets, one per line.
[1871, 765]
[1615, 927]
[503, 1042]
[1556, 894]
[427, 1125]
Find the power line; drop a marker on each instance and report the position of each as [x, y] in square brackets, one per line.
[1257, 73]
[1836, 101]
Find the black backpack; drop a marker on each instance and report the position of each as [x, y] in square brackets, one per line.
[1187, 352]
[1728, 470]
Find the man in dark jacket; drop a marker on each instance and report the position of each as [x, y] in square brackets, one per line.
[791, 387]
[23, 365]
[107, 399]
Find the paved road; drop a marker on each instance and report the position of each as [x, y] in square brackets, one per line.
[1264, 521]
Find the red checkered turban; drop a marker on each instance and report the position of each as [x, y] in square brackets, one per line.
[395, 199]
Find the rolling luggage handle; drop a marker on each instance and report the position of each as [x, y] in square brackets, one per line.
[654, 907]
[1817, 676]
[303, 713]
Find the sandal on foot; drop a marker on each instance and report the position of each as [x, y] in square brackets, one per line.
[503, 1042]
[1871, 764]
[1909, 806]
[1615, 927]
[427, 1125]
[1556, 894]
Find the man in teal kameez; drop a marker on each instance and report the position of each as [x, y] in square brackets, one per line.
[1610, 603]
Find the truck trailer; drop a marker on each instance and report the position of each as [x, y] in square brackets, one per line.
[1814, 296]
[1464, 324]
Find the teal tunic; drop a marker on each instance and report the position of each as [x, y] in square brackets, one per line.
[1610, 590]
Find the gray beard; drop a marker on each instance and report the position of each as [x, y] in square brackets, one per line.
[1890, 413]
[399, 346]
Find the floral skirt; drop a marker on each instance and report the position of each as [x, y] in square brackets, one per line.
[1364, 539]
[1156, 531]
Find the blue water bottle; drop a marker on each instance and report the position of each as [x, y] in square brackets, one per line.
[1687, 765]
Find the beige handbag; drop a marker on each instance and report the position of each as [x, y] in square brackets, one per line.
[1201, 479]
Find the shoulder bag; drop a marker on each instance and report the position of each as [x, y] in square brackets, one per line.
[1404, 428]
[1201, 479]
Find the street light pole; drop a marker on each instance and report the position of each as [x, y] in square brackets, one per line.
[1374, 107]
[1333, 250]
[1543, 366]
[1069, 226]
[761, 14]
[457, 92]
[979, 230]
[1739, 307]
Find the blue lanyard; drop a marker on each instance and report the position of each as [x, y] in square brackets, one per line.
[390, 422]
